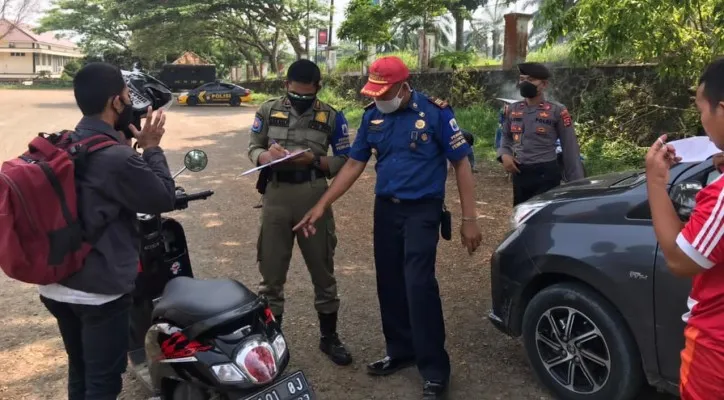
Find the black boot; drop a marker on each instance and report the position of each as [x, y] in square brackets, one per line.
[330, 343]
[278, 318]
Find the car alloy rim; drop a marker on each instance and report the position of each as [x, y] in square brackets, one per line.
[573, 350]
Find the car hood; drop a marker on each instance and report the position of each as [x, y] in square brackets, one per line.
[607, 184]
[592, 186]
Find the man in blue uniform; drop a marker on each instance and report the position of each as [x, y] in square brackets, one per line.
[413, 136]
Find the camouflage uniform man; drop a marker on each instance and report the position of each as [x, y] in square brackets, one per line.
[295, 122]
[530, 131]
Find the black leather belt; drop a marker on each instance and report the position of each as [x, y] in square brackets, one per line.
[395, 200]
[299, 176]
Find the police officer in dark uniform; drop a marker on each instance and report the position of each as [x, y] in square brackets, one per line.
[414, 137]
[530, 131]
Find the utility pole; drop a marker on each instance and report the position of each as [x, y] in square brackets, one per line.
[307, 45]
[329, 37]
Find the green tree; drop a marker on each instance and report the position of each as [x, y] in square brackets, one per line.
[462, 10]
[366, 22]
[681, 36]
[101, 23]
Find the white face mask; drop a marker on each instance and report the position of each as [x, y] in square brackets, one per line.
[389, 106]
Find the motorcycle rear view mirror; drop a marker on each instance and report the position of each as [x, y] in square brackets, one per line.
[194, 161]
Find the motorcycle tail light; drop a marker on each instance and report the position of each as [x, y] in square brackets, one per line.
[256, 359]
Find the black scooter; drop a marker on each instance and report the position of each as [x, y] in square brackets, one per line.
[194, 339]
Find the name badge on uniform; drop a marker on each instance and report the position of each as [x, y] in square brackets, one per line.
[319, 126]
[279, 118]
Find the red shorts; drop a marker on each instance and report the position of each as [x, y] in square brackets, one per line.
[702, 370]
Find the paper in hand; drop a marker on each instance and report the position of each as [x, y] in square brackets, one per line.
[290, 156]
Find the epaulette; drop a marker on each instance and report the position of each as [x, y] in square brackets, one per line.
[438, 101]
[369, 106]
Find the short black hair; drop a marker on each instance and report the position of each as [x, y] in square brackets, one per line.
[94, 84]
[304, 71]
[713, 81]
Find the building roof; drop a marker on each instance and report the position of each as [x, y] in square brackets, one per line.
[191, 58]
[25, 33]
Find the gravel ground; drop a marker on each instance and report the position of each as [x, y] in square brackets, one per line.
[222, 233]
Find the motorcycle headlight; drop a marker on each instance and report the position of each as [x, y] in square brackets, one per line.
[280, 346]
[228, 373]
[257, 361]
[523, 212]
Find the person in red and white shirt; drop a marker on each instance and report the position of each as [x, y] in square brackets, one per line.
[696, 249]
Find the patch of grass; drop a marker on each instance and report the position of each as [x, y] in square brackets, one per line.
[482, 122]
[258, 98]
[551, 54]
[38, 85]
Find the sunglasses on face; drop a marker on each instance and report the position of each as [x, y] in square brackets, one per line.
[298, 96]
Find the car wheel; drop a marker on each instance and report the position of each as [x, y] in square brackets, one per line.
[187, 391]
[235, 101]
[579, 346]
[192, 101]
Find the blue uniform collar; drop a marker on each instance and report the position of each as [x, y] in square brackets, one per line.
[415, 101]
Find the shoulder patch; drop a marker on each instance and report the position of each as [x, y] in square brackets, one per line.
[369, 106]
[566, 117]
[258, 123]
[438, 101]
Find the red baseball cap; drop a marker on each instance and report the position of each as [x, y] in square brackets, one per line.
[384, 72]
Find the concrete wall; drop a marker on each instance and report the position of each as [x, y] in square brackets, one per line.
[567, 83]
[16, 64]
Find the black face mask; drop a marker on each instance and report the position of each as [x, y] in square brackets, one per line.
[301, 103]
[528, 90]
[125, 118]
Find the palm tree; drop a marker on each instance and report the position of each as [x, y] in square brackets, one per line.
[491, 25]
[404, 35]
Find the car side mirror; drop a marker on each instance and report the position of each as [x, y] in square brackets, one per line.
[683, 195]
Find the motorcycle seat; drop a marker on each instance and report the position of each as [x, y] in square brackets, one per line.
[186, 301]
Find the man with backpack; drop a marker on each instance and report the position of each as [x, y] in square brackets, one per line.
[90, 299]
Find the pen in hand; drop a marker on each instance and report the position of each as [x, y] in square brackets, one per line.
[274, 142]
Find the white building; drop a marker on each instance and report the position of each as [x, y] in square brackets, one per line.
[26, 54]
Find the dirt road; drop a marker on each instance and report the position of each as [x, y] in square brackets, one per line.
[222, 233]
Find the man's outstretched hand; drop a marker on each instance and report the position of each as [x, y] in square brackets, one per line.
[306, 225]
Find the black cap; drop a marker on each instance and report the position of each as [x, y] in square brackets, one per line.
[534, 70]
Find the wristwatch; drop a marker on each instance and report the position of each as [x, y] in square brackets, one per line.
[317, 162]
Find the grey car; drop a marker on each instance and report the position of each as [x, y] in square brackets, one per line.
[581, 278]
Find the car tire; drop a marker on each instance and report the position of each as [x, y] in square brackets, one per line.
[235, 101]
[603, 339]
[192, 101]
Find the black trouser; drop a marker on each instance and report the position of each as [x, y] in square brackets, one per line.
[534, 179]
[96, 340]
[405, 245]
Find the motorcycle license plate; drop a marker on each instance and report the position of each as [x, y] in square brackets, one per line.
[291, 387]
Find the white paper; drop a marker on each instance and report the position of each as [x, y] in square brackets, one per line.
[291, 155]
[695, 149]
